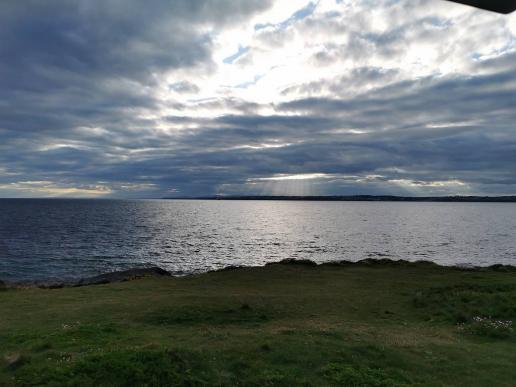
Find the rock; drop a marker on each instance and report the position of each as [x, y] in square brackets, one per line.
[228, 268]
[384, 262]
[292, 261]
[119, 276]
[338, 263]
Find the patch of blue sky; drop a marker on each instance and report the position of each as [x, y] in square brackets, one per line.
[232, 58]
[435, 21]
[245, 85]
[300, 14]
[201, 100]
[507, 48]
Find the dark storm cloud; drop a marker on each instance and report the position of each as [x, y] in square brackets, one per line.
[109, 38]
[64, 63]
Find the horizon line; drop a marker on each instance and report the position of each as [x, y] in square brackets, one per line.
[357, 197]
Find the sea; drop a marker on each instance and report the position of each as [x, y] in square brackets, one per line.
[61, 239]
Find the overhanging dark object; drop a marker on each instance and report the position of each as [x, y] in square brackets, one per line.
[500, 6]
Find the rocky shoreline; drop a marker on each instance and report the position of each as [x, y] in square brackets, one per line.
[155, 271]
[106, 278]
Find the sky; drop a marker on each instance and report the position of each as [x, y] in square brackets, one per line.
[150, 99]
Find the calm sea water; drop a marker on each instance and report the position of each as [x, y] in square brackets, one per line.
[49, 239]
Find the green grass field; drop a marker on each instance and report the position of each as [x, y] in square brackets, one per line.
[381, 324]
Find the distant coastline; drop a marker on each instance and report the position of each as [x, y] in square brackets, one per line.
[360, 198]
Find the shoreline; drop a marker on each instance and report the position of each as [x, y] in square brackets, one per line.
[156, 271]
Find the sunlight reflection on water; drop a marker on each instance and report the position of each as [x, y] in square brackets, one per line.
[42, 239]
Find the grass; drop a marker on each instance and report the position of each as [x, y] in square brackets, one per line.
[383, 324]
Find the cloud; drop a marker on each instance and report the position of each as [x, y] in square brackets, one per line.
[184, 87]
[300, 14]
[49, 189]
[105, 99]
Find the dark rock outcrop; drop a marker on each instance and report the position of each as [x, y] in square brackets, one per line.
[292, 261]
[106, 278]
[125, 275]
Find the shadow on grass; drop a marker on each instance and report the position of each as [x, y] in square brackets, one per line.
[242, 315]
[185, 368]
[347, 375]
[124, 368]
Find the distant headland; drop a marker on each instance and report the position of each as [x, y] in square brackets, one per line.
[358, 198]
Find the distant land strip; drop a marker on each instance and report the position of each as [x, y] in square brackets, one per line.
[360, 198]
